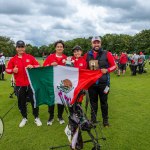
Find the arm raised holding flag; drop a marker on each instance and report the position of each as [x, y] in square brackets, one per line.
[57, 58]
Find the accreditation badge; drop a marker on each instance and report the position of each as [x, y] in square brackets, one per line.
[93, 65]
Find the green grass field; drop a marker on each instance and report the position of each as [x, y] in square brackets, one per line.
[129, 116]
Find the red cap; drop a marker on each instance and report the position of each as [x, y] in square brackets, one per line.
[141, 53]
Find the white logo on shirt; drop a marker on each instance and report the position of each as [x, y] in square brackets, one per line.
[27, 60]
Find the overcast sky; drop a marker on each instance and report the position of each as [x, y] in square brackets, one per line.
[40, 22]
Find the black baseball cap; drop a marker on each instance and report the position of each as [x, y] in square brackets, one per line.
[77, 47]
[20, 43]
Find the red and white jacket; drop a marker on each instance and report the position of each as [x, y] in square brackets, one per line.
[21, 78]
[79, 63]
[53, 58]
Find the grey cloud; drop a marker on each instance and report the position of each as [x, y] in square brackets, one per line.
[54, 11]
[136, 14]
[140, 26]
[51, 3]
[126, 4]
[14, 7]
[62, 26]
[57, 11]
[57, 8]
[76, 28]
[45, 21]
[124, 11]
[88, 26]
[37, 36]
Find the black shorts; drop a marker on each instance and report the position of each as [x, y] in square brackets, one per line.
[122, 66]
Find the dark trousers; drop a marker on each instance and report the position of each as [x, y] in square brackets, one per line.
[94, 92]
[140, 68]
[60, 111]
[23, 93]
[2, 70]
[134, 68]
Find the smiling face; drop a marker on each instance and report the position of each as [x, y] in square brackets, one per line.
[77, 53]
[96, 45]
[59, 48]
[20, 50]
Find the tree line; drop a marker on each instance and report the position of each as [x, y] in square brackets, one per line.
[115, 43]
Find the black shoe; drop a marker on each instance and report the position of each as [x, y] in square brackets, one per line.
[96, 147]
[3, 79]
[95, 122]
[105, 123]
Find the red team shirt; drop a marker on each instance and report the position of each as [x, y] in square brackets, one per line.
[53, 58]
[21, 78]
[123, 59]
[79, 63]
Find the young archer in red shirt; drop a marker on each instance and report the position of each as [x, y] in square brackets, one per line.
[57, 58]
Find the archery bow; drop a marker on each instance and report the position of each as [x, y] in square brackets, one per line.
[79, 119]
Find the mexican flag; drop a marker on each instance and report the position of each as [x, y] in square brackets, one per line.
[60, 83]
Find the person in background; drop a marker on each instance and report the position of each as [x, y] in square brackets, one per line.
[57, 58]
[2, 66]
[17, 66]
[122, 63]
[116, 58]
[141, 61]
[134, 63]
[97, 58]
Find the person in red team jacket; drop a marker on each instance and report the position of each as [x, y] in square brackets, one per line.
[122, 63]
[78, 61]
[17, 66]
[97, 58]
[57, 58]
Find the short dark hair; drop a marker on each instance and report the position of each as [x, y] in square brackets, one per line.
[60, 41]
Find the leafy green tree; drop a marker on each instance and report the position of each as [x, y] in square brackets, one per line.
[116, 43]
[7, 46]
[142, 41]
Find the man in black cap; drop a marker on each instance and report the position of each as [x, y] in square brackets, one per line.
[97, 58]
[17, 66]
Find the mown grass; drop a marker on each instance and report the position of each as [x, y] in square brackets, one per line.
[129, 111]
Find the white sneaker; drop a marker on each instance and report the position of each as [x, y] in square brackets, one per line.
[38, 122]
[61, 120]
[23, 122]
[50, 122]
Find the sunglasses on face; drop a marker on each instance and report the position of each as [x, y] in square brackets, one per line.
[20, 46]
